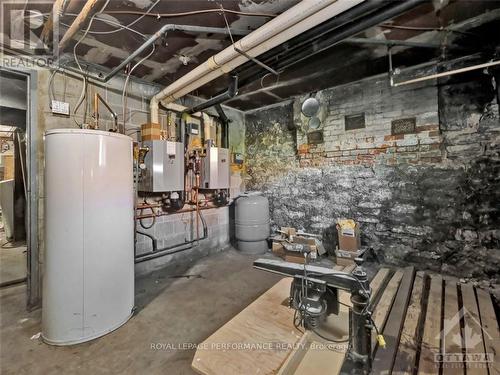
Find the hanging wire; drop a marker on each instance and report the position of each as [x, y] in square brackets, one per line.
[84, 79]
[181, 14]
[125, 86]
[109, 22]
[121, 27]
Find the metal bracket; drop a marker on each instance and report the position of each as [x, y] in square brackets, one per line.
[243, 53]
[260, 63]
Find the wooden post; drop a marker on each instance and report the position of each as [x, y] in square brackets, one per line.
[88, 10]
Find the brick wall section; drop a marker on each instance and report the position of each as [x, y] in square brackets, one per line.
[374, 144]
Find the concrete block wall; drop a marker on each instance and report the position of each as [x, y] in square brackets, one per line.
[180, 228]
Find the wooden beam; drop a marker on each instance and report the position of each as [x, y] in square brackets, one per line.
[377, 282]
[53, 19]
[432, 327]
[384, 305]
[384, 358]
[491, 334]
[451, 329]
[90, 8]
[473, 333]
[406, 356]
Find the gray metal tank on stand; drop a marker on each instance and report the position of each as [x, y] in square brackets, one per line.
[252, 222]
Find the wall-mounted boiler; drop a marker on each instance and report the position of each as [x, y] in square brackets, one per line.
[215, 168]
[163, 168]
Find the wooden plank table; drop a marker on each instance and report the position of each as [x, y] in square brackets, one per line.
[417, 313]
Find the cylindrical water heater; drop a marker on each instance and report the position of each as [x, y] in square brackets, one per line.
[88, 286]
[252, 222]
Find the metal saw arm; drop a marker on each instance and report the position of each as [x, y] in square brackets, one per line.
[359, 357]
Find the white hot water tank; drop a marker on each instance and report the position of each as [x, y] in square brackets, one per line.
[88, 286]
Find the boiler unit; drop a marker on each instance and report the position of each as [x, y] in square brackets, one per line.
[215, 168]
[88, 286]
[163, 169]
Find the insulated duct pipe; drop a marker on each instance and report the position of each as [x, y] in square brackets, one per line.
[348, 31]
[296, 20]
[249, 70]
[231, 91]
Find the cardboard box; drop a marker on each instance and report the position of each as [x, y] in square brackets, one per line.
[349, 239]
[346, 257]
[150, 132]
[290, 256]
[278, 249]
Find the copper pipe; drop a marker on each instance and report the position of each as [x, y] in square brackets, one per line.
[149, 205]
[197, 182]
[98, 98]
[184, 210]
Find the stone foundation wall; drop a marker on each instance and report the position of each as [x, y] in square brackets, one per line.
[430, 198]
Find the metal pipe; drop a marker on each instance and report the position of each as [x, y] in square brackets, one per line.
[320, 36]
[171, 27]
[248, 71]
[294, 21]
[153, 239]
[160, 254]
[391, 42]
[153, 38]
[156, 253]
[349, 31]
[348, 17]
[98, 98]
[231, 92]
[225, 123]
[448, 73]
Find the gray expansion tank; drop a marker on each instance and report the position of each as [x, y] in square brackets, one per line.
[252, 222]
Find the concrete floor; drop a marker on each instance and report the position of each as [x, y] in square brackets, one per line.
[12, 260]
[175, 306]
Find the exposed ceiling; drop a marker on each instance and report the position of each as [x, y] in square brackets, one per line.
[475, 24]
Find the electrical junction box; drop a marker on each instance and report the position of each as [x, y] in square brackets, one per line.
[60, 108]
[215, 168]
[193, 128]
[164, 167]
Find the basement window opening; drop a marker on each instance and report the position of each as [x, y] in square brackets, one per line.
[353, 122]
